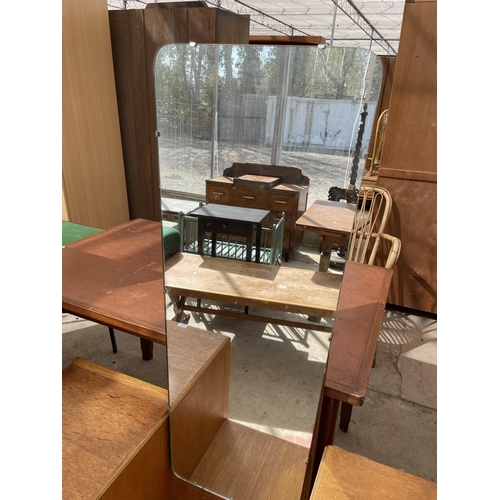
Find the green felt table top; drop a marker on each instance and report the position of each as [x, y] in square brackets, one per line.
[74, 232]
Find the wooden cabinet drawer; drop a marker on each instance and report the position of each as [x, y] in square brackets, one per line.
[283, 203]
[286, 240]
[215, 225]
[218, 194]
[251, 198]
[274, 217]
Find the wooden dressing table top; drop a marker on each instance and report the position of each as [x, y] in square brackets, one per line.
[116, 278]
[356, 329]
[327, 217]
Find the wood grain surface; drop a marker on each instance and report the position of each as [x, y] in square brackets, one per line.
[92, 162]
[408, 165]
[246, 464]
[106, 417]
[345, 476]
[355, 331]
[115, 278]
[328, 217]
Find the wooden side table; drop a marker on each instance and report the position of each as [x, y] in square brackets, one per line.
[235, 221]
[332, 221]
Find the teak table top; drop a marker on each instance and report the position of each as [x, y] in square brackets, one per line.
[116, 278]
[327, 217]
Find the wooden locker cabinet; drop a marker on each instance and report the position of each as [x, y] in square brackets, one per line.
[408, 164]
[136, 36]
[269, 187]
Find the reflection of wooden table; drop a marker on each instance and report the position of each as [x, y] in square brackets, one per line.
[343, 475]
[249, 284]
[332, 221]
[228, 220]
[115, 278]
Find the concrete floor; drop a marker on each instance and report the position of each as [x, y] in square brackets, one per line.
[276, 374]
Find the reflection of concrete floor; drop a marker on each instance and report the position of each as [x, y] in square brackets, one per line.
[276, 374]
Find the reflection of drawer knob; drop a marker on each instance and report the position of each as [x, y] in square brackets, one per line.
[219, 193]
[282, 202]
[249, 197]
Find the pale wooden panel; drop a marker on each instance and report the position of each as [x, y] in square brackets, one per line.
[199, 414]
[65, 215]
[345, 476]
[93, 173]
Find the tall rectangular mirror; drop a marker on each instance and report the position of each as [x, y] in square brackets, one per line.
[249, 138]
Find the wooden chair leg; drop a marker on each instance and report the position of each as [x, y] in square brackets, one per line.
[345, 416]
[113, 340]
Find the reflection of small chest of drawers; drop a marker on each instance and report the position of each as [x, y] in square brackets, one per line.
[269, 187]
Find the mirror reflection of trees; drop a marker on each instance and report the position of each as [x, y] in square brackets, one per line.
[325, 91]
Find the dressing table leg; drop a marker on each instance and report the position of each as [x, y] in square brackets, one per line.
[345, 416]
[147, 349]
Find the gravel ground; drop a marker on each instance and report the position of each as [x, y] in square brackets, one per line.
[185, 168]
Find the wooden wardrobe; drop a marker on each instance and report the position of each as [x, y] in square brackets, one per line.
[408, 165]
[136, 36]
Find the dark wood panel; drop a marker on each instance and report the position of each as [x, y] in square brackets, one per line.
[136, 36]
[414, 175]
[286, 40]
[413, 220]
[411, 136]
[128, 44]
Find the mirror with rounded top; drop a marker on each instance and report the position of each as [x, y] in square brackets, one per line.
[249, 137]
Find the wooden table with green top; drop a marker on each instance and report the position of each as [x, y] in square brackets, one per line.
[115, 278]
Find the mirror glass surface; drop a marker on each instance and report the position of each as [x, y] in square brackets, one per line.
[220, 105]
